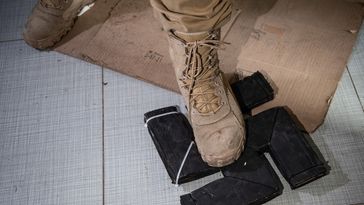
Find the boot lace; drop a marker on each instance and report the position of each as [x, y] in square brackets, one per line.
[198, 76]
[54, 4]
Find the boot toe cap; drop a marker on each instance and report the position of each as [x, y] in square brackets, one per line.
[42, 31]
[223, 146]
[39, 28]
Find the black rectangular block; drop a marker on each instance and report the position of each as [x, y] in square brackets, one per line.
[276, 132]
[252, 91]
[172, 136]
[250, 180]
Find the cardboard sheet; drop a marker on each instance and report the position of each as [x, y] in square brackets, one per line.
[303, 46]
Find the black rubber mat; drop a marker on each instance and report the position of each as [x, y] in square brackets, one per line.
[251, 179]
[252, 91]
[172, 135]
[276, 132]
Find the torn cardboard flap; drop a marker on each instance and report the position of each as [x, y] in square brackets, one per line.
[302, 45]
[304, 50]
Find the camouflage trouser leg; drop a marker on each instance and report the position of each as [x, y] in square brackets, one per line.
[192, 16]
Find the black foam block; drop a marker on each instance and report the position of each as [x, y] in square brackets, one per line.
[276, 132]
[172, 136]
[250, 180]
[252, 91]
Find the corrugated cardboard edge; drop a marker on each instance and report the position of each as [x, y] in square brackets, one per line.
[124, 36]
[305, 58]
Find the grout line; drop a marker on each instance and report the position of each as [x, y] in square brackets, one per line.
[5, 41]
[356, 91]
[103, 135]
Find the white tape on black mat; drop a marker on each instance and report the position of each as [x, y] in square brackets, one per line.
[160, 115]
[183, 162]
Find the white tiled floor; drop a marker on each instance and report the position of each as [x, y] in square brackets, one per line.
[12, 18]
[50, 128]
[55, 113]
[356, 70]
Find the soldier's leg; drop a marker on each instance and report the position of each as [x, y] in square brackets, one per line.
[193, 28]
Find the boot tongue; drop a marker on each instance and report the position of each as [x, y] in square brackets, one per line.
[203, 94]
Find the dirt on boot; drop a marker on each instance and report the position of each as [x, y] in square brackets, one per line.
[214, 113]
[50, 20]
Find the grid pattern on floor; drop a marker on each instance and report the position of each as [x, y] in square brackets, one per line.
[12, 17]
[50, 128]
[356, 70]
[55, 111]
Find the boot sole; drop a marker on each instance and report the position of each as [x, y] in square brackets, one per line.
[53, 39]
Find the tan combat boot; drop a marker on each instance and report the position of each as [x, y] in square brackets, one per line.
[215, 116]
[50, 20]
